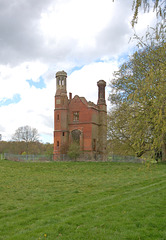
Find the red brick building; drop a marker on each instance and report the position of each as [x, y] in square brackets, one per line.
[76, 119]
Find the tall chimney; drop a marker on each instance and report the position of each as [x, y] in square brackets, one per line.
[101, 92]
[70, 96]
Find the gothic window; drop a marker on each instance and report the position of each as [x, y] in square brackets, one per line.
[75, 116]
[57, 143]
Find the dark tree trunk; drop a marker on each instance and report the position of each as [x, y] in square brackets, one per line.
[164, 148]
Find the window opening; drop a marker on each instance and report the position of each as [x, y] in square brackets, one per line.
[75, 116]
[58, 117]
[57, 143]
[94, 144]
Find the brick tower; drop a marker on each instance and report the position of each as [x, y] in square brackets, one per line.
[61, 133]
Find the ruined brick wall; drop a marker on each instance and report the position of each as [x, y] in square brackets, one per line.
[87, 122]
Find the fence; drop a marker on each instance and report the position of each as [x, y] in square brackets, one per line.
[84, 157]
[119, 158]
[1, 156]
[63, 157]
[28, 158]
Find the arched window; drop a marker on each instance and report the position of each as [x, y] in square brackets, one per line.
[76, 135]
[57, 143]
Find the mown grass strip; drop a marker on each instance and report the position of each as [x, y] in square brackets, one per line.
[82, 201]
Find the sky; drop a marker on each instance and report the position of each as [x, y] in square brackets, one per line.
[89, 39]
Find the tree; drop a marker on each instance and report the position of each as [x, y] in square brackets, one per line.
[26, 134]
[138, 95]
[157, 33]
[137, 120]
[119, 134]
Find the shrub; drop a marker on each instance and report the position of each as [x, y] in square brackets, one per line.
[74, 151]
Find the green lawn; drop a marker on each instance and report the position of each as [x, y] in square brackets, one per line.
[78, 200]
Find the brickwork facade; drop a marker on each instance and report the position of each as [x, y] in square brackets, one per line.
[76, 119]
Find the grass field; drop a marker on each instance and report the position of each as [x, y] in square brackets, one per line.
[78, 200]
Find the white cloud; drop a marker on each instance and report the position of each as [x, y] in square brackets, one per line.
[39, 38]
[83, 82]
[13, 79]
[77, 20]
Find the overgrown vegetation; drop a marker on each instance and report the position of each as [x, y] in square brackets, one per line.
[21, 147]
[74, 151]
[75, 200]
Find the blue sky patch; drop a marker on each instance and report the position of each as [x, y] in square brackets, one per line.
[99, 60]
[40, 84]
[76, 68]
[7, 101]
